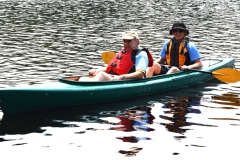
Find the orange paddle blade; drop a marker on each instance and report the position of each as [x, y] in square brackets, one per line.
[107, 56]
[228, 75]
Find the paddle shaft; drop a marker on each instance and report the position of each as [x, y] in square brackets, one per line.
[227, 75]
[196, 70]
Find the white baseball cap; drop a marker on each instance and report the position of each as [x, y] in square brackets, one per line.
[130, 35]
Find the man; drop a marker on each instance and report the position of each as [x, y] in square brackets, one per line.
[177, 54]
[130, 63]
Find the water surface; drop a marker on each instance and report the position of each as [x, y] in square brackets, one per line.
[43, 40]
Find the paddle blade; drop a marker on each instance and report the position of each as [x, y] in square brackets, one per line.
[107, 56]
[227, 75]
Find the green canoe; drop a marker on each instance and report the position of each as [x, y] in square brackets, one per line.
[67, 91]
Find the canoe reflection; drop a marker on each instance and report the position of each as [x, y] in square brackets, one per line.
[179, 108]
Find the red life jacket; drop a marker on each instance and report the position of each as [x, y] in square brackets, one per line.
[124, 62]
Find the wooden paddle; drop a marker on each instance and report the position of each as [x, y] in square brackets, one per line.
[227, 75]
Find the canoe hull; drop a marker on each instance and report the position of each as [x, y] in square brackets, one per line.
[71, 93]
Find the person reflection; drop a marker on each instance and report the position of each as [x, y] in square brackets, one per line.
[179, 108]
[134, 119]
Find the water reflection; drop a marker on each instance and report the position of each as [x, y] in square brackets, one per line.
[135, 119]
[28, 123]
[130, 153]
[131, 119]
[179, 108]
[122, 123]
[227, 99]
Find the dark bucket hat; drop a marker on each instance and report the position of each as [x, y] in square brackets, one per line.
[178, 25]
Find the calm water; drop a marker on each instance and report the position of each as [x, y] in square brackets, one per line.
[43, 40]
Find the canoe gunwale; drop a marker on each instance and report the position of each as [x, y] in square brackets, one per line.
[73, 80]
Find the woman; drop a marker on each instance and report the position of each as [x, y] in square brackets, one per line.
[177, 54]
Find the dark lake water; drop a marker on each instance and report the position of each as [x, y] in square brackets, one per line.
[43, 40]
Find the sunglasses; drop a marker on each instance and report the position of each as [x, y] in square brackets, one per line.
[179, 30]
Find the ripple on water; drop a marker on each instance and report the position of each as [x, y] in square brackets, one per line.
[42, 40]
